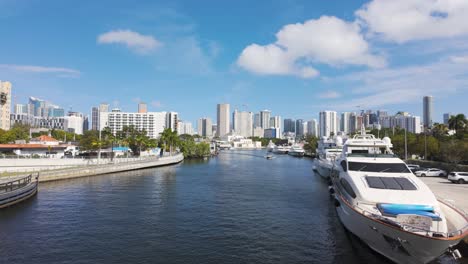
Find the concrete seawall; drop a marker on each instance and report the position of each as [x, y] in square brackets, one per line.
[93, 170]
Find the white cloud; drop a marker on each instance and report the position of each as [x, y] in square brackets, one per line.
[406, 20]
[328, 40]
[64, 72]
[142, 44]
[459, 59]
[329, 95]
[382, 87]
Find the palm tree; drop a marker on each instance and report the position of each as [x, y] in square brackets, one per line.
[170, 138]
[439, 130]
[458, 122]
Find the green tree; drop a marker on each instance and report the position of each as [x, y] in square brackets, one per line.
[170, 139]
[459, 124]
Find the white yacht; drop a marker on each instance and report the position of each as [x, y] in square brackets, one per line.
[271, 146]
[378, 199]
[327, 151]
[296, 150]
[281, 150]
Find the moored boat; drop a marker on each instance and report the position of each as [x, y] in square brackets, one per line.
[296, 151]
[17, 189]
[271, 146]
[327, 151]
[378, 199]
[281, 150]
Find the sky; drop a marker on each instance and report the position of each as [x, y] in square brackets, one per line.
[295, 58]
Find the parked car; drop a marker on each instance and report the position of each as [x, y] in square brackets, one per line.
[413, 168]
[458, 177]
[432, 172]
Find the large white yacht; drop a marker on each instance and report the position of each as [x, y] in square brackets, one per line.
[281, 150]
[327, 151]
[378, 199]
[296, 150]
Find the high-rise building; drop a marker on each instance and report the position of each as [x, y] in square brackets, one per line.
[289, 126]
[402, 120]
[328, 123]
[344, 126]
[153, 123]
[5, 105]
[223, 120]
[37, 106]
[299, 128]
[275, 122]
[428, 109]
[243, 123]
[204, 127]
[185, 128]
[172, 120]
[142, 107]
[447, 118]
[94, 118]
[74, 123]
[256, 120]
[312, 128]
[272, 133]
[85, 123]
[21, 109]
[265, 119]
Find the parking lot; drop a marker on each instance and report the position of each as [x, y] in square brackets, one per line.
[454, 193]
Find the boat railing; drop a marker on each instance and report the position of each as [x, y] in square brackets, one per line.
[18, 183]
[410, 228]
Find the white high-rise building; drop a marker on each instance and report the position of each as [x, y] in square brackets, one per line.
[256, 120]
[428, 109]
[74, 124]
[153, 123]
[328, 123]
[184, 128]
[265, 119]
[5, 105]
[345, 122]
[312, 128]
[224, 124]
[275, 122]
[243, 123]
[205, 127]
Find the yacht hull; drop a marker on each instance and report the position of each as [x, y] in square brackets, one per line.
[323, 168]
[14, 197]
[296, 154]
[390, 241]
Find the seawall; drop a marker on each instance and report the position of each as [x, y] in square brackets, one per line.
[93, 170]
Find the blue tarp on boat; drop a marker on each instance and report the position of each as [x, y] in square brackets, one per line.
[397, 209]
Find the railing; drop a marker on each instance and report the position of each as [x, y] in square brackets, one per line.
[17, 184]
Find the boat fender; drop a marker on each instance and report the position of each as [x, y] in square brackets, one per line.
[455, 253]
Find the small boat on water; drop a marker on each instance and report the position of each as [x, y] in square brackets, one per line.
[327, 151]
[269, 157]
[16, 189]
[296, 151]
[378, 199]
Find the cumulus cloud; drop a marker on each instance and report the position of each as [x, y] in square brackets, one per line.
[329, 95]
[328, 40]
[142, 44]
[64, 72]
[405, 20]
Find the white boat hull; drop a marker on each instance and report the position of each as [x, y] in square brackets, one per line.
[323, 168]
[392, 242]
[296, 154]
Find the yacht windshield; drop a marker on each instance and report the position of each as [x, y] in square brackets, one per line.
[378, 167]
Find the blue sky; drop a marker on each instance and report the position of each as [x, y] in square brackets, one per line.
[292, 57]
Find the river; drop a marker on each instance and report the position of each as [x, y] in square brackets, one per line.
[234, 208]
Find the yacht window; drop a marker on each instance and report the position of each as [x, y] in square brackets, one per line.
[390, 183]
[344, 166]
[347, 187]
[378, 167]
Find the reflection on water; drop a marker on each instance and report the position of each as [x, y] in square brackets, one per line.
[236, 208]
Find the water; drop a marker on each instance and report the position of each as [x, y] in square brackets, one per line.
[236, 208]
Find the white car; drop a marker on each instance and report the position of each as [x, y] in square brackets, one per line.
[458, 177]
[431, 172]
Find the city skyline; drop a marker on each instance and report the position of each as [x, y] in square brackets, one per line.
[179, 57]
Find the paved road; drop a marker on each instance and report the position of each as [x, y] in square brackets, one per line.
[454, 193]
